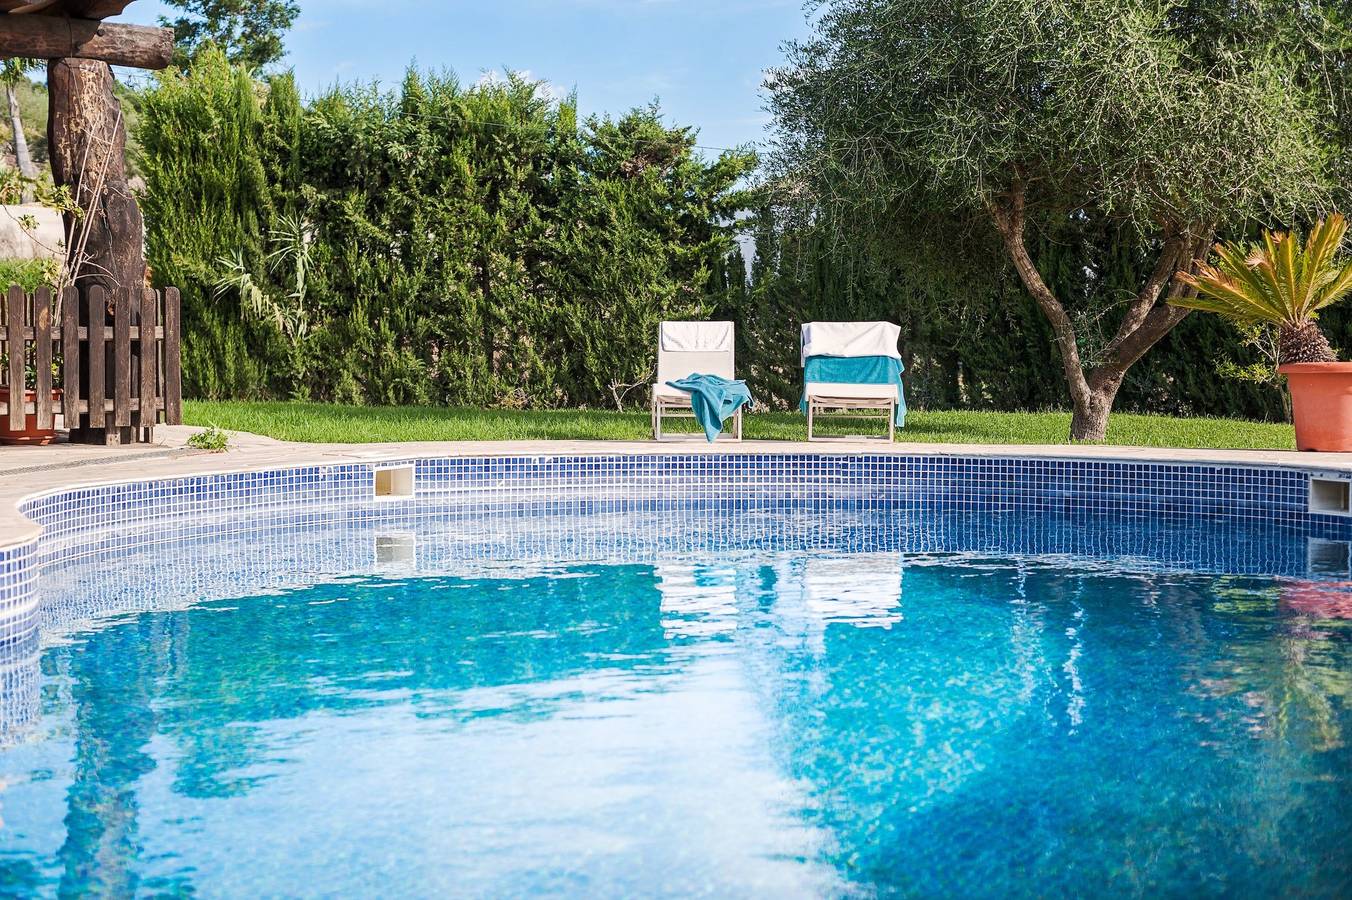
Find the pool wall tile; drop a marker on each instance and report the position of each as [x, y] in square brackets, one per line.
[83, 521]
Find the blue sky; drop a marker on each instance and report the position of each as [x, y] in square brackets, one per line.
[704, 59]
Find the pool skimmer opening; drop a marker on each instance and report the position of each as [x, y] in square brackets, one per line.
[394, 483]
[1329, 496]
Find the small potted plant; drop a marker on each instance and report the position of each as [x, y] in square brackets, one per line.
[30, 434]
[1283, 283]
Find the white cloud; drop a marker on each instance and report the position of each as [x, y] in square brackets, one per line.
[546, 87]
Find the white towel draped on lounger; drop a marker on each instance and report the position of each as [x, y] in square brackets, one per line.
[697, 337]
[850, 339]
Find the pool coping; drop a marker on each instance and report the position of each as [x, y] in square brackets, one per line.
[254, 453]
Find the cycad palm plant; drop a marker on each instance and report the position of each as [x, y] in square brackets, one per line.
[1279, 282]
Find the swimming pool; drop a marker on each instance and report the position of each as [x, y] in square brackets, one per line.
[661, 676]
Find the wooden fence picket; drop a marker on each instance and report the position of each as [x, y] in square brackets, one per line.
[173, 363]
[15, 301]
[86, 342]
[122, 359]
[70, 354]
[96, 306]
[148, 356]
[42, 357]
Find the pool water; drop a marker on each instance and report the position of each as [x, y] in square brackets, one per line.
[803, 714]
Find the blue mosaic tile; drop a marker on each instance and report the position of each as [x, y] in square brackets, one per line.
[82, 522]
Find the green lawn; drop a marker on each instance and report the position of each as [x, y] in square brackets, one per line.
[326, 423]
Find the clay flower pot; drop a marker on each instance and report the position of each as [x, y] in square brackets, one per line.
[1321, 404]
[30, 434]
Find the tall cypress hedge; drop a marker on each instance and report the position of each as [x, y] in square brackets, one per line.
[464, 245]
[209, 194]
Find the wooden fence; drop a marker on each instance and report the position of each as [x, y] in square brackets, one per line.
[116, 364]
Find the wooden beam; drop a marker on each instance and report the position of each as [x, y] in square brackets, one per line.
[76, 9]
[51, 37]
[95, 9]
[28, 7]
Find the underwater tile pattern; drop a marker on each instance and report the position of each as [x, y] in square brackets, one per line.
[18, 584]
[86, 521]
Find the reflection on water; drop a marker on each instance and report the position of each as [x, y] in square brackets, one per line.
[20, 686]
[756, 701]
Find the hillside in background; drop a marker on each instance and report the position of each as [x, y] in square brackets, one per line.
[33, 108]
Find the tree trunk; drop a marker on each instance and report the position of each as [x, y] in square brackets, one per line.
[1302, 344]
[87, 141]
[1092, 392]
[22, 158]
[1089, 419]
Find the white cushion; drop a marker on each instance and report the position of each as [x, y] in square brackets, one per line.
[843, 391]
[850, 339]
[696, 337]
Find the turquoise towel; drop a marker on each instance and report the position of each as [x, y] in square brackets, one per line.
[714, 400]
[856, 370]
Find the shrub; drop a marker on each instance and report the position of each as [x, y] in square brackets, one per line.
[439, 243]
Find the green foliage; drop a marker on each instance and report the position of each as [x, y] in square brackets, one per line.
[211, 438]
[208, 197]
[15, 187]
[14, 68]
[443, 244]
[909, 131]
[1154, 112]
[248, 31]
[1280, 281]
[1263, 340]
[436, 244]
[30, 274]
[289, 248]
[971, 337]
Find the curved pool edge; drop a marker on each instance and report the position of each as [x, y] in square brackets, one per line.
[262, 462]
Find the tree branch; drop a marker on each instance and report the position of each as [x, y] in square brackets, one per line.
[1158, 321]
[1008, 215]
[1176, 245]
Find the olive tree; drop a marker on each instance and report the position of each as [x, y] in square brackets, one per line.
[1174, 119]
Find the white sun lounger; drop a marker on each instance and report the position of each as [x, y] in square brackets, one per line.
[685, 349]
[850, 340]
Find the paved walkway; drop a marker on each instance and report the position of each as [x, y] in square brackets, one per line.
[25, 471]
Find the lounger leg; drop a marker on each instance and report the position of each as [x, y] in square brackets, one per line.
[892, 423]
[738, 424]
[657, 420]
[811, 407]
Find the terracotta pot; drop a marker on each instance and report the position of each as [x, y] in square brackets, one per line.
[30, 434]
[1321, 404]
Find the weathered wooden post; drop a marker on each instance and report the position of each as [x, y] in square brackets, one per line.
[87, 140]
